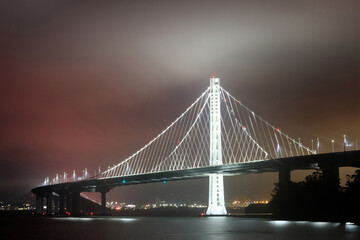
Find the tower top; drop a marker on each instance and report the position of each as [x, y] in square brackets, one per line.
[214, 80]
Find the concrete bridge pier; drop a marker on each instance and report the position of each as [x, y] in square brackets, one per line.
[56, 205]
[68, 202]
[61, 204]
[103, 201]
[39, 203]
[49, 203]
[331, 177]
[284, 176]
[75, 203]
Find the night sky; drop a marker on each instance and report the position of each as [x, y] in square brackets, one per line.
[87, 83]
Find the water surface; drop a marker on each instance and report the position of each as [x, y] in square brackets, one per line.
[204, 228]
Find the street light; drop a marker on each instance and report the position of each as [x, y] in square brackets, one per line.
[317, 145]
[312, 145]
[344, 143]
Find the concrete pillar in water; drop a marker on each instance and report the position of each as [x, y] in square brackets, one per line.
[61, 204]
[49, 203]
[75, 203]
[56, 205]
[331, 177]
[103, 202]
[39, 203]
[68, 202]
[284, 176]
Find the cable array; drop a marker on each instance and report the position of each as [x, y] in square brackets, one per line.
[263, 141]
[159, 154]
[185, 143]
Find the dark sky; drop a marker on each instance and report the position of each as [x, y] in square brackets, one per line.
[87, 83]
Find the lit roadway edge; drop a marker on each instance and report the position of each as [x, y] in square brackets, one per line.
[339, 159]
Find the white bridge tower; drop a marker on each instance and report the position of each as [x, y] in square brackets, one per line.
[216, 183]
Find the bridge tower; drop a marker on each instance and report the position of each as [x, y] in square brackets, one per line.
[216, 204]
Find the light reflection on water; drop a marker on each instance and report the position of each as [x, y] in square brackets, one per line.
[75, 219]
[121, 219]
[124, 219]
[136, 228]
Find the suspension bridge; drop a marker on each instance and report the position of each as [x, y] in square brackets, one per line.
[216, 135]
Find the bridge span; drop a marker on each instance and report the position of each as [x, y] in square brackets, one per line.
[216, 135]
[68, 194]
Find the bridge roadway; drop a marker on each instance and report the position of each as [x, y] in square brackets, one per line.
[329, 163]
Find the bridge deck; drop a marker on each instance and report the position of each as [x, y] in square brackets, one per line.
[339, 159]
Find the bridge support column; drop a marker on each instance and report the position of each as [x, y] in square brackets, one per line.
[68, 202]
[284, 176]
[49, 203]
[103, 201]
[39, 203]
[331, 177]
[61, 204]
[75, 203]
[216, 195]
[56, 205]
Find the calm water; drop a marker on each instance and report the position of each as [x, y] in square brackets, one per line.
[169, 228]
